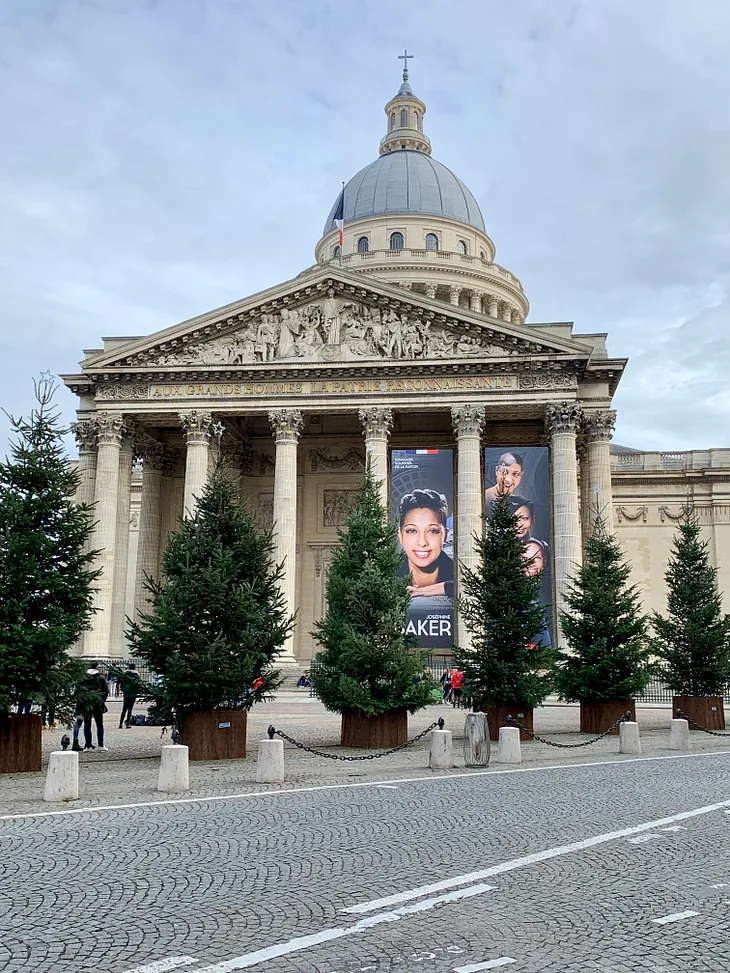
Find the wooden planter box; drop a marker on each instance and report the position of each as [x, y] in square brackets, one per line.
[374, 732]
[708, 711]
[20, 744]
[497, 716]
[218, 734]
[597, 717]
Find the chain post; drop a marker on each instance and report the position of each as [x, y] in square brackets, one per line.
[714, 733]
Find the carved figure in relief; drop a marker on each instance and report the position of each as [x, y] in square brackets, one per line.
[266, 337]
[332, 314]
[289, 329]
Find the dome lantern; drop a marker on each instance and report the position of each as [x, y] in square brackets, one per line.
[405, 118]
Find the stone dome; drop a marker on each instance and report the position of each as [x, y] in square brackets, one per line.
[407, 181]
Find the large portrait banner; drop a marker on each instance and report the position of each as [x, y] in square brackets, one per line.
[422, 493]
[523, 474]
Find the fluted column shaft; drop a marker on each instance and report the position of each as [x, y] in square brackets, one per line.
[377, 424]
[598, 433]
[286, 426]
[468, 421]
[111, 429]
[85, 434]
[198, 429]
[154, 457]
[562, 423]
[121, 544]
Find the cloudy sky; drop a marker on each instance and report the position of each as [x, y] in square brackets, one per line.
[163, 157]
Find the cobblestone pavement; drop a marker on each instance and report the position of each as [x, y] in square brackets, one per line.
[212, 885]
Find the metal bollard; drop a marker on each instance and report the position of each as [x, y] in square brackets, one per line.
[628, 736]
[509, 750]
[62, 777]
[173, 776]
[679, 738]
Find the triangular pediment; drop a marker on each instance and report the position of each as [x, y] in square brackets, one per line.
[331, 317]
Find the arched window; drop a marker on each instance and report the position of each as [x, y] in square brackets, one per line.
[396, 241]
[363, 245]
[336, 251]
[461, 247]
[432, 241]
[392, 121]
[404, 118]
[415, 120]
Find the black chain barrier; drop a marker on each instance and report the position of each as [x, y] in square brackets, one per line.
[272, 731]
[714, 733]
[511, 721]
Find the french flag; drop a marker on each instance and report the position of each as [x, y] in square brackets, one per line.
[339, 218]
[421, 452]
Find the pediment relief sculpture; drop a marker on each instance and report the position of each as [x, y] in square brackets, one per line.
[334, 329]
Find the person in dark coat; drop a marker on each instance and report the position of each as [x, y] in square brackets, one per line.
[130, 684]
[91, 697]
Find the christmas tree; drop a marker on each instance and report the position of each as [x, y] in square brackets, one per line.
[604, 627]
[217, 619]
[46, 573]
[694, 640]
[508, 663]
[367, 663]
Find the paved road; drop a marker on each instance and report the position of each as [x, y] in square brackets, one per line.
[528, 867]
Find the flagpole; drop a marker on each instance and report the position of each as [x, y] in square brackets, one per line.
[342, 237]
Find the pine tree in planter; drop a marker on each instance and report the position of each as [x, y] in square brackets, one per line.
[508, 669]
[216, 624]
[368, 669]
[694, 640]
[46, 578]
[605, 629]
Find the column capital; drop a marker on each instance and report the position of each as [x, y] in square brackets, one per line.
[199, 427]
[112, 429]
[475, 300]
[376, 422]
[455, 293]
[85, 434]
[431, 291]
[467, 420]
[286, 424]
[564, 417]
[157, 456]
[599, 425]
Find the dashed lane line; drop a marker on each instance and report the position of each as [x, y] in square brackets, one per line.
[675, 917]
[491, 964]
[284, 791]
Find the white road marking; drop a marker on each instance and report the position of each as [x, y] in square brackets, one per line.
[675, 917]
[327, 935]
[252, 795]
[721, 885]
[726, 812]
[526, 860]
[489, 965]
[675, 827]
[162, 965]
[643, 838]
[389, 787]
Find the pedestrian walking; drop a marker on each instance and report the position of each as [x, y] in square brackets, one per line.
[457, 687]
[446, 684]
[130, 685]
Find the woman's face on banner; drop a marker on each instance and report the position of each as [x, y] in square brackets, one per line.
[533, 553]
[508, 477]
[422, 536]
[524, 521]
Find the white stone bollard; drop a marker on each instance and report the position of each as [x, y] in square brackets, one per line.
[440, 755]
[270, 763]
[509, 750]
[62, 779]
[173, 778]
[679, 735]
[628, 738]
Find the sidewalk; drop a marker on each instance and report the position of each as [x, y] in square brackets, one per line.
[127, 774]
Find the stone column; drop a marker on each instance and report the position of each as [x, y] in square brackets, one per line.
[598, 433]
[506, 312]
[377, 423]
[85, 435]
[155, 459]
[585, 498]
[493, 307]
[454, 294]
[468, 421]
[562, 421]
[286, 424]
[121, 544]
[198, 430]
[475, 301]
[111, 429]
[431, 291]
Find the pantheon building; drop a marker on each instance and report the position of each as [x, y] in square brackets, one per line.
[405, 344]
